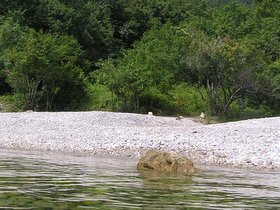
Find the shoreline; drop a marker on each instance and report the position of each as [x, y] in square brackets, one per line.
[77, 155]
[253, 144]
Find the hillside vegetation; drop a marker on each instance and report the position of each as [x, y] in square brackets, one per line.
[170, 57]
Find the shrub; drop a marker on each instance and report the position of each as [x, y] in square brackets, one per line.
[154, 100]
[188, 100]
[101, 98]
[248, 112]
[11, 103]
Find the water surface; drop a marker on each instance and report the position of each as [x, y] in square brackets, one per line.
[34, 180]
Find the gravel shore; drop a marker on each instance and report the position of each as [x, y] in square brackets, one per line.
[249, 144]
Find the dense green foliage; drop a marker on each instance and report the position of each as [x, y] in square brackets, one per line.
[169, 57]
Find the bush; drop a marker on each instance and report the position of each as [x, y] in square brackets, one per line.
[153, 100]
[188, 100]
[249, 112]
[11, 103]
[182, 99]
[101, 98]
[259, 112]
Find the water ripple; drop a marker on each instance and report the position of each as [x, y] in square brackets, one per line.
[32, 180]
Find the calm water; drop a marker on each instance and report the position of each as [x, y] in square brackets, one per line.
[30, 180]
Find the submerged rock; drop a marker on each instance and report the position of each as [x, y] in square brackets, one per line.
[158, 161]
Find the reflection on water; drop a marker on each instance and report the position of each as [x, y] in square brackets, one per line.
[51, 180]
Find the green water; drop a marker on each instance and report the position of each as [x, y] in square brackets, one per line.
[31, 180]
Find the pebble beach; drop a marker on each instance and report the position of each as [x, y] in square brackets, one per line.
[246, 144]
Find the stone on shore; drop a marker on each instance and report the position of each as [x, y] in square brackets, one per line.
[164, 162]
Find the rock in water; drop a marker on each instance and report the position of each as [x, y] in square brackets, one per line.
[165, 162]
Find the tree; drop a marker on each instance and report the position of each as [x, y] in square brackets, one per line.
[40, 65]
[225, 68]
[233, 20]
[10, 33]
[88, 21]
[151, 63]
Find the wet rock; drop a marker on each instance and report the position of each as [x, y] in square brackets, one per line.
[164, 162]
